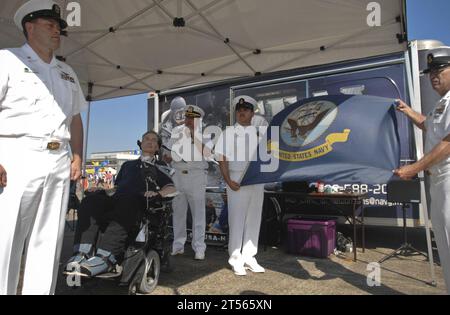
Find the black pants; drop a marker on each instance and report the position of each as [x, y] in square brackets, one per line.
[117, 218]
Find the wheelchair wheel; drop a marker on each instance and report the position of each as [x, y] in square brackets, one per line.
[146, 278]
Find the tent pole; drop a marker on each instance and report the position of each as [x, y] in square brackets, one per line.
[412, 69]
[85, 144]
[156, 111]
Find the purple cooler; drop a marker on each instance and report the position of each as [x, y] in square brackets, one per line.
[311, 237]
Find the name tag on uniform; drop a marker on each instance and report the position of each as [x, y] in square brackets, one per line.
[65, 76]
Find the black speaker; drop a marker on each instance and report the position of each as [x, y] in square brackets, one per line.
[404, 191]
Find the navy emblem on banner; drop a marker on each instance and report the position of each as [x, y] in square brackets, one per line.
[307, 123]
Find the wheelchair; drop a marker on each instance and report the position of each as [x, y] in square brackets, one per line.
[145, 256]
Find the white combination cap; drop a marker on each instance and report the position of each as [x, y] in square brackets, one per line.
[245, 101]
[35, 9]
[193, 111]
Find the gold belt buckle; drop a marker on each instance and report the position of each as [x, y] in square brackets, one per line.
[52, 146]
[184, 172]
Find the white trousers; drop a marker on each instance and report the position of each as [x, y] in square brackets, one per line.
[244, 221]
[32, 215]
[192, 189]
[440, 217]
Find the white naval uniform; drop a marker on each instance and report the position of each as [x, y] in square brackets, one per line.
[244, 205]
[437, 128]
[37, 103]
[190, 180]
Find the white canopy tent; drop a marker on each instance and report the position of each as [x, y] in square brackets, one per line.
[129, 47]
[125, 47]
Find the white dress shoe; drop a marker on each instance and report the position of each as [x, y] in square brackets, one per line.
[177, 252]
[239, 270]
[199, 256]
[253, 266]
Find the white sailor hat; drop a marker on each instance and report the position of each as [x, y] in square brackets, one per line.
[34, 9]
[193, 111]
[438, 58]
[244, 101]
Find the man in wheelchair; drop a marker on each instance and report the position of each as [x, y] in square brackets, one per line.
[106, 223]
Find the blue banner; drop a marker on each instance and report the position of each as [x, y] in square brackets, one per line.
[335, 139]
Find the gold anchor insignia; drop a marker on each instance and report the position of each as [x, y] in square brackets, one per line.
[430, 58]
[241, 101]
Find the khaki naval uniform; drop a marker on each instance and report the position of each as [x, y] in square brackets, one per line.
[437, 127]
[37, 103]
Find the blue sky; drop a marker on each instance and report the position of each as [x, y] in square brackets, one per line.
[116, 124]
[429, 19]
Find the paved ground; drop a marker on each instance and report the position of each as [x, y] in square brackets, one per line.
[288, 274]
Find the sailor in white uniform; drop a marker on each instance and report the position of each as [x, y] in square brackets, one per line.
[190, 180]
[437, 153]
[234, 153]
[40, 104]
